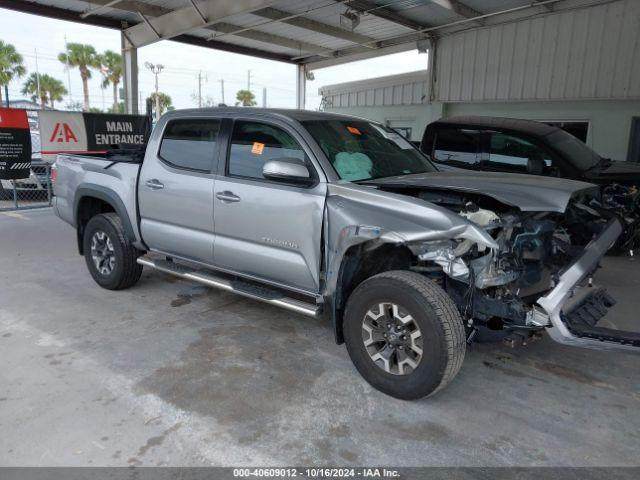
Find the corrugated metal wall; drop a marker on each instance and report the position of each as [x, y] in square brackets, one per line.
[392, 90]
[586, 53]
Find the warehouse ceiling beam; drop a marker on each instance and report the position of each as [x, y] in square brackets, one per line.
[264, 37]
[127, 6]
[458, 8]
[399, 43]
[312, 25]
[371, 8]
[185, 19]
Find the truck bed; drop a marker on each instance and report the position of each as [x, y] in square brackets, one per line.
[114, 176]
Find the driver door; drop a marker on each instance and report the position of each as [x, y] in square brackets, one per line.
[264, 228]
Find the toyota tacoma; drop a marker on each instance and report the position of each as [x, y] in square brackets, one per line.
[327, 214]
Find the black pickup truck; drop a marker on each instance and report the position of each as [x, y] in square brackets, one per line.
[496, 144]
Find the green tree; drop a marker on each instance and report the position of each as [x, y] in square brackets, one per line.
[84, 57]
[55, 89]
[11, 65]
[164, 101]
[118, 108]
[34, 88]
[112, 73]
[245, 98]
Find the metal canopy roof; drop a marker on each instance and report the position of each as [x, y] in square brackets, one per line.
[317, 33]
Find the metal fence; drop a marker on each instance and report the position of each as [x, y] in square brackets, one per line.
[33, 192]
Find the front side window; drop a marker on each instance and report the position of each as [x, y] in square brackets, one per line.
[515, 152]
[190, 143]
[253, 144]
[360, 150]
[457, 146]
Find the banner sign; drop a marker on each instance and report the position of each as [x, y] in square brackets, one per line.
[78, 132]
[15, 144]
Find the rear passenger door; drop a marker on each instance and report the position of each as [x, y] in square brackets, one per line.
[175, 190]
[264, 228]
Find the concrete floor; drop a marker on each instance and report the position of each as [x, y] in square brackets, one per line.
[170, 373]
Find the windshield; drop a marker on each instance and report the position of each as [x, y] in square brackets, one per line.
[360, 150]
[579, 154]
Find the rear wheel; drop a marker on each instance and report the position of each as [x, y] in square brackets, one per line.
[404, 334]
[110, 257]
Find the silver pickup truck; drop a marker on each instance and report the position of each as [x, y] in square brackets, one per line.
[320, 213]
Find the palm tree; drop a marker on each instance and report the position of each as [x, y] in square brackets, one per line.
[112, 73]
[10, 65]
[34, 88]
[84, 57]
[245, 98]
[55, 89]
[164, 101]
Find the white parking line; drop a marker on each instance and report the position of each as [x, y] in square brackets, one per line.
[15, 215]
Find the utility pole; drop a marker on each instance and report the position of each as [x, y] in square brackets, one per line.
[38, 78]
[200, 88]
[249, 80]
[156, 69]
[222, 88]
[264, 97]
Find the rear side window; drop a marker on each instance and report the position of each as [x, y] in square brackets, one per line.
[514, 152]
[253, 144]
[457, 146]
[190, 143]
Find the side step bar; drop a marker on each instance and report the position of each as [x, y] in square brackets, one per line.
[241, 287]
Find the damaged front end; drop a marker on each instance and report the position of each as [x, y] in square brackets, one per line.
[518, 269]
[538, 277]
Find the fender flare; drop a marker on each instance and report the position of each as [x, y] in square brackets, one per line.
[107, 195]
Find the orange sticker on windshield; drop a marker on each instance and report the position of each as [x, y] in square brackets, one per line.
[257, 148]
[354, 130]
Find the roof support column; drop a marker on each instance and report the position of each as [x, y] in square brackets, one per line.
[130, 75]
[301, 86]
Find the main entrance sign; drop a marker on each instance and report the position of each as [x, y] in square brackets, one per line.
[77, 132]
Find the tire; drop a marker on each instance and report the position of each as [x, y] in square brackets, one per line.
[431, 310]
[121, 272]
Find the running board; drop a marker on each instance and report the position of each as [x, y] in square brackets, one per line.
[241, 287]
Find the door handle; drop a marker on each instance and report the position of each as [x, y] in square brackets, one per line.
[227, 196]
[154, 184]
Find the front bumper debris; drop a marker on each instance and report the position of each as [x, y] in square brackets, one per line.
[559, 304]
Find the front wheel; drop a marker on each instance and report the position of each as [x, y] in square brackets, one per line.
[110, 257]
[404, 334]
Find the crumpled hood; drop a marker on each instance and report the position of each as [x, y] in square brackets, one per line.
[527, 192]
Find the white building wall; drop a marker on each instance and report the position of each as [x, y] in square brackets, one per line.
[584, 53]
[403, 89]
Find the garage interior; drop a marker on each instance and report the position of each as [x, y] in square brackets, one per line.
[172, 373]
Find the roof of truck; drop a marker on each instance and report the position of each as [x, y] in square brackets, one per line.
[515, 124]
[294, 114]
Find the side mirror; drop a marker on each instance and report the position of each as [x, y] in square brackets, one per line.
[287, 170]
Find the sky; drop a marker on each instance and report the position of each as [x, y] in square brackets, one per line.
[42, 39]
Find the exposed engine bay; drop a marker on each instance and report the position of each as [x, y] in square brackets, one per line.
[624, 200]
[498, 287]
